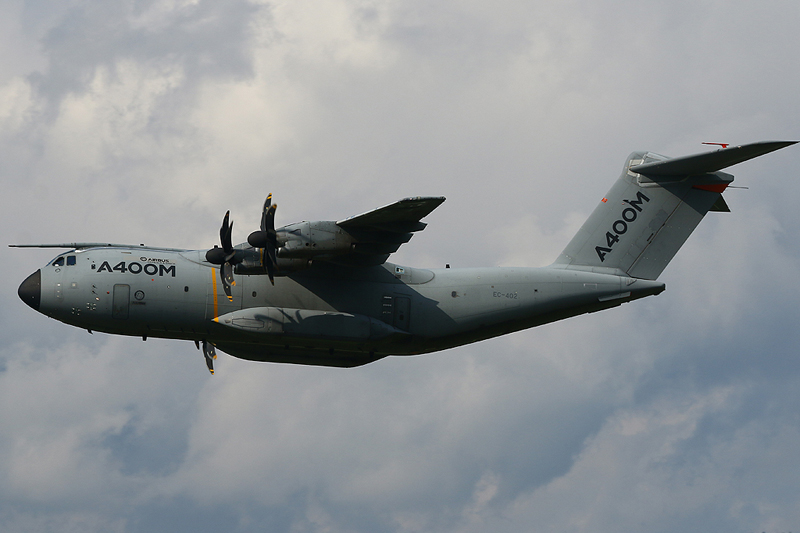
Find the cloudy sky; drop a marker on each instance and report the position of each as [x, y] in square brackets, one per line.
[143, 121]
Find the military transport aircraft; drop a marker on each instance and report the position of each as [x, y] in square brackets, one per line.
[322, 293]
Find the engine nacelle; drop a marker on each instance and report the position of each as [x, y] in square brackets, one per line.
[313, 239]
[252, 265]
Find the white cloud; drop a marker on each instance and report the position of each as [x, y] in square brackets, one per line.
[147, 122]
[17, 101]
[111, 120]
[644, 471]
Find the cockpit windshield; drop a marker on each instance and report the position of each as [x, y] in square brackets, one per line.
[59, 261]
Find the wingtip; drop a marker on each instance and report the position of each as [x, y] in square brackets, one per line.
[777, 144]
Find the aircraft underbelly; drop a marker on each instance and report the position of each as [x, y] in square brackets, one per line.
[309, 353]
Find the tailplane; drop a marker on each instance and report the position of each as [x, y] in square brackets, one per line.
[653, 208]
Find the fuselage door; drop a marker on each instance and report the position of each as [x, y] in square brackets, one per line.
[402, 310]
[121, 301]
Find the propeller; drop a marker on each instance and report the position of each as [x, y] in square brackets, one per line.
[209, 353]
[225, 256]
[267, 238]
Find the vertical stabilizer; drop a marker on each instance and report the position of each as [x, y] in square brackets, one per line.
[653, 208]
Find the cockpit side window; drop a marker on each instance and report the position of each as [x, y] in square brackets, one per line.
[58, 262]
[70, 260]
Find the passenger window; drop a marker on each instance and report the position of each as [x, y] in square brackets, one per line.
[70, 260]
[58, 262]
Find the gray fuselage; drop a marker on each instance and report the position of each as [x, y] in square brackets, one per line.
[328, 315]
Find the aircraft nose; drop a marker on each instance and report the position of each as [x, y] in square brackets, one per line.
[30, 291]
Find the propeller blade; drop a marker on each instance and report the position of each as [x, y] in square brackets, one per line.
[270, 270]
[271, 261]
[272, 252]
[225, 257]
[210, 354]
[226, 274]
[270, 223]
[267, 238]
[217, 255]
[260, 239]
[225, 233]
[267, 205]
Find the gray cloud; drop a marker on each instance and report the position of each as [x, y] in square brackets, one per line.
[144, 122]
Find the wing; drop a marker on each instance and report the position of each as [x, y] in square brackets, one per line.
[86, 245]
[380, 232]
[400, 217]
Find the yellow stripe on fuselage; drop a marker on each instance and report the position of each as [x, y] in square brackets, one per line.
[214, 290]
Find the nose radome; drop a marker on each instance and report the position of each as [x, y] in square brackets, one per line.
[30, 291]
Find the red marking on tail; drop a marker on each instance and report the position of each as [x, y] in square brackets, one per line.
[724, 145]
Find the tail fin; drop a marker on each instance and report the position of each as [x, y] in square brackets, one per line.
[653, 208]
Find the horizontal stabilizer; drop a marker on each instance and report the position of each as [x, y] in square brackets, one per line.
[709, 161]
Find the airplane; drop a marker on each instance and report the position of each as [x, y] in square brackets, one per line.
[322, 293]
